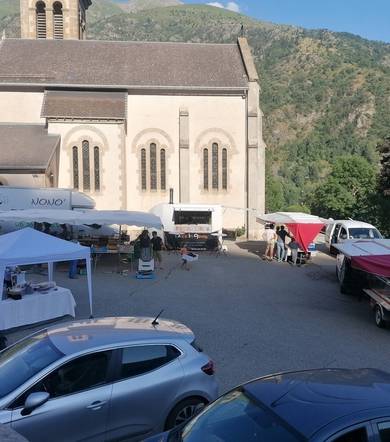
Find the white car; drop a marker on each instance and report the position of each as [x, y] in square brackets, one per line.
[342, 230]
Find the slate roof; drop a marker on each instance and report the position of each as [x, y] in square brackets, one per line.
[26, 146]
[121, 64]
[83, 104]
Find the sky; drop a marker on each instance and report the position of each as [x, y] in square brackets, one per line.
[367, 18]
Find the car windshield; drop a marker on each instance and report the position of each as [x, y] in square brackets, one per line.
[24, 359]
[364, 233]
[236, 417]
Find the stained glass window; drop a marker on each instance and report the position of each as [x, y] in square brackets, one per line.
[96, 164]
[215, 166]
[143, 169]
[75, 160]
[205, 169]
[163, 175]
[224, 168]
[86, 166]
[153, 166]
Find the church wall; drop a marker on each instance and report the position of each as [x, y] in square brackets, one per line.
[157, 119]
[109, 137]
[21, 107]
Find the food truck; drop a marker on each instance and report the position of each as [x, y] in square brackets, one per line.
[195, 226]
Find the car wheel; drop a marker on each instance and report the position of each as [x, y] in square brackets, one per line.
[184, 411]
[379, 320]
[345, 277]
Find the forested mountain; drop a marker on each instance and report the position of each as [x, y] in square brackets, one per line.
[324, 94]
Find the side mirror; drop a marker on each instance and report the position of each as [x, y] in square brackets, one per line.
[33, 401]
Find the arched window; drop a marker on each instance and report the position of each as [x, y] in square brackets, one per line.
[224, 168]
[58, 21]
[214, 165]
[40, 13]
[163, 178]
[205, 169]
[86, 166]
[153, 166]
[96, 167]
[143, 169]
[75, 162]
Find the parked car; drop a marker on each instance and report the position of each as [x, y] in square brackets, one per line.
[342, 230]
[332, 405]
[104, 379]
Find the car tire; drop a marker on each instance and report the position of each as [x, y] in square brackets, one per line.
[379, 319]
[345, 277]
[184, 411]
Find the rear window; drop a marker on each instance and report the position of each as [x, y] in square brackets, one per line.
[236, 417]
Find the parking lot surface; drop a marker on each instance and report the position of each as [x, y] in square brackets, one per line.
[251, 317]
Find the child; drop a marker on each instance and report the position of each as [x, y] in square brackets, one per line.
[187, 256]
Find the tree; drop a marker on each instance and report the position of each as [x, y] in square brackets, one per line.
[384, 176]
[383, 194]
[346, 191]
[274, 199]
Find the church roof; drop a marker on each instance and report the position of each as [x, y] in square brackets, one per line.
[129, 65]
[26, 147]
[83, 104]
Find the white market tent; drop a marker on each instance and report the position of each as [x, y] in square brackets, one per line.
[28, 246]
[88, 217]
[289, 218]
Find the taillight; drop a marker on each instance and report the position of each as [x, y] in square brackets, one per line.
[209, 368]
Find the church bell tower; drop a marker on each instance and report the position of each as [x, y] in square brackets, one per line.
[54, 19]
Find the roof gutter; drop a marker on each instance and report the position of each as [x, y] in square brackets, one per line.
[127, 87]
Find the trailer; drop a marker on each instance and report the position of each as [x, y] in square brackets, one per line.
[363, 267]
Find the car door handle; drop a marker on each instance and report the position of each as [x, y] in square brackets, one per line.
[97, 405]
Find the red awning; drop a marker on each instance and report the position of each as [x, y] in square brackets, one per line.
[304, 233]
[376, 264]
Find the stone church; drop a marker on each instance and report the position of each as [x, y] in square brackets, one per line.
[127, 121]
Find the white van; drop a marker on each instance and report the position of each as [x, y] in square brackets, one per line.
[339, 231]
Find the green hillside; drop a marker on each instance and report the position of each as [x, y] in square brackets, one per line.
[324, 94]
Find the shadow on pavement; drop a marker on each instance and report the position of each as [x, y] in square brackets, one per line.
[255, 247]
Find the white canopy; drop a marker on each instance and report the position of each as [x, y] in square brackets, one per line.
[28, 246]
[289, 218]
[77, 217]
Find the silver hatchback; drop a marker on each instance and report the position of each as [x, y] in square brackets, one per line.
[104, 379]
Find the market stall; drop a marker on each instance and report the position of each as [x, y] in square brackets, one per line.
[28, 303]
[303, 226]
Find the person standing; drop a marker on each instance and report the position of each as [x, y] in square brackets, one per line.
[294, 246]
[145, 243]
[282, 234]
[157, 245]
[279, 245]
[269, 236]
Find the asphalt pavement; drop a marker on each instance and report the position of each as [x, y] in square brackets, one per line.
[251, 317]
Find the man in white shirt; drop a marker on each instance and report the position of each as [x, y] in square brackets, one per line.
[269, 236]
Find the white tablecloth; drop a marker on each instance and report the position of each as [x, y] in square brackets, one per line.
[36, 307]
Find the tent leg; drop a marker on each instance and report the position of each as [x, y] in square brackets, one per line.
[50, 271]
[89, 280]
